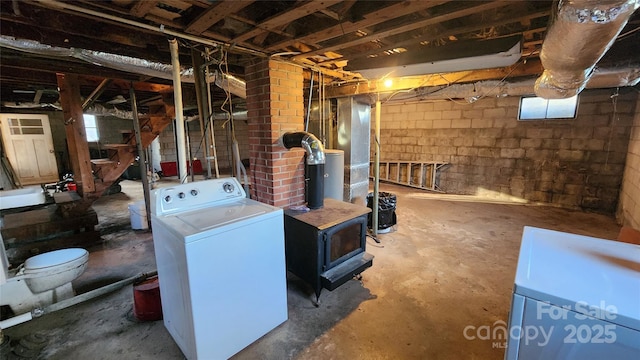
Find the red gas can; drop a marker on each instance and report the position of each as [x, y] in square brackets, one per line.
[146, 300]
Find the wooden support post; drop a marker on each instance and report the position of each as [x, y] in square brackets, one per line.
[76, 137]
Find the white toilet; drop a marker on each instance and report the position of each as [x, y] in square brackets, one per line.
[42, 280]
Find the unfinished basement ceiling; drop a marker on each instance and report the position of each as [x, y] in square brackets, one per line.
[323, 35]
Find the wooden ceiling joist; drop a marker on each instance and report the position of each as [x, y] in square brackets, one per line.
[499, 21]
[371, 19]
[214, 14]
[285, 18]
[142, 8]
[481, 6]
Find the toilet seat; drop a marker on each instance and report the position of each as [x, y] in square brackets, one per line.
[52, 259]
[54, 262]
[52, 269]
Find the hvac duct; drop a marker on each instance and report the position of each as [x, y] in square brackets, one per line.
[353, 137]
[315, 164]
[579, 35]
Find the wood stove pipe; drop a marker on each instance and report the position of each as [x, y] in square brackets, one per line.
[314, 167]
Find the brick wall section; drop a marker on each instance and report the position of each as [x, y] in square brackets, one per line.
[275, 106]
[574, 163]
[629, 209]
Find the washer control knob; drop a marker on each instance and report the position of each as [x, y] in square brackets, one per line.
[167, 199]
[181, 195]
[228, 187]
[194, 192]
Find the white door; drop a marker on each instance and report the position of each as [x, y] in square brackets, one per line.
[29, 145]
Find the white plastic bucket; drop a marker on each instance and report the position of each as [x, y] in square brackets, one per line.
[138, 214]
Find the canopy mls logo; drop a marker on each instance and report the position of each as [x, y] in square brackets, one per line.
[576, 324]
[497, 333]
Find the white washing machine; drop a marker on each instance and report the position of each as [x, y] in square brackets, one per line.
[575, 297]
[221, 266]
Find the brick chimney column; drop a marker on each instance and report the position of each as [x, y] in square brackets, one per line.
[275, 105]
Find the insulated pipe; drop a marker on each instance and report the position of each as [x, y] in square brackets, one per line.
[579, 35]
[177, 99]
[315, 164]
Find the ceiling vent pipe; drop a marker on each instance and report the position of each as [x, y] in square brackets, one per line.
[314, 171]
[579, 35]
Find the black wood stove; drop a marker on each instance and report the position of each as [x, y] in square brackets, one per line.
[326, 247]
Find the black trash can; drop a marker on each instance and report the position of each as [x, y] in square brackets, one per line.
[386, 210]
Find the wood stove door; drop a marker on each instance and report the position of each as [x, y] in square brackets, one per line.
[344, 241]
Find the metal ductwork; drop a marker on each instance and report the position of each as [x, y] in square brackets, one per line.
[580, 33]
[314, 171]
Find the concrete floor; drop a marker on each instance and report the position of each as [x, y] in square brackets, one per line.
[448, 264]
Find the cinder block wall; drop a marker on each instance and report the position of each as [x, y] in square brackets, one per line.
[629, 209]
[109, 130]
[575, 163]
[223, 143]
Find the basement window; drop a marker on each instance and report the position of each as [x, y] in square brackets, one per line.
[537, 108]
[91, 128]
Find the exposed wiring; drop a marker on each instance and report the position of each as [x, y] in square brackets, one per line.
[227, 100]
[614, 118]
[409, 90]
[306, 123]
[240, 169]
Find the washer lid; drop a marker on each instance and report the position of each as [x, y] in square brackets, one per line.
[54, 258]
[197, 221]
[597, 277]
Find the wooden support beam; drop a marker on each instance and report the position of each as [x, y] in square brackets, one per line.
[530, 68]
[76, 136]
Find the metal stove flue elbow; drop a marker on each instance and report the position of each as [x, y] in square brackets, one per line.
[307, 141]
